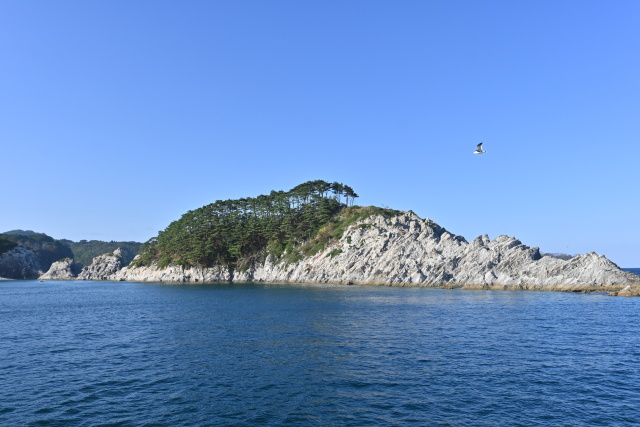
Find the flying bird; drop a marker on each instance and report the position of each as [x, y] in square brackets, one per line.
[479, 149]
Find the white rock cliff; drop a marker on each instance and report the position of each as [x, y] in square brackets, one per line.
[64, 269]
[103, 267]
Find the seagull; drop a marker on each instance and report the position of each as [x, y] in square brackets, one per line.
[479, 149]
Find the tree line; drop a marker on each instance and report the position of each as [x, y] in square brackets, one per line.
[224, 232]
[6, 245]
[85, 250]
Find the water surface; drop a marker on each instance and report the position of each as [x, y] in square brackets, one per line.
[109, 353]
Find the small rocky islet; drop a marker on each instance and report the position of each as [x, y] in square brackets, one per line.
[348, 245]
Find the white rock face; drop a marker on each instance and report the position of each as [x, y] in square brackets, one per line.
[110, 267]
[20, 263]
[61, 270]
[103, 267]
[409, 251]
[173, 274]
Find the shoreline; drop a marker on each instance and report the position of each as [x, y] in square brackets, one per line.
[612, 290]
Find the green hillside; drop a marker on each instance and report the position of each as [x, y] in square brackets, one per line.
[85, 250]
[46, 248]
[6, 245]
[230, 232]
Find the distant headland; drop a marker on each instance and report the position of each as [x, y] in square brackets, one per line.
[26, 254]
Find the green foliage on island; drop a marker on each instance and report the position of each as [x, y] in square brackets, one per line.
[333, 230]
[334, 252]
[6, 245]
[22, 232]
[230, 232]
[47, 249]
[85, 250]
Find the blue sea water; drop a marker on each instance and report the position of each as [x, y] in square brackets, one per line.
[108, 353]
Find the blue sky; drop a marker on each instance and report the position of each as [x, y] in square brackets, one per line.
[116, 117]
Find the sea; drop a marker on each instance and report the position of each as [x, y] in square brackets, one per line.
[76, 353]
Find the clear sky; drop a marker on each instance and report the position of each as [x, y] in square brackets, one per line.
[116, 117]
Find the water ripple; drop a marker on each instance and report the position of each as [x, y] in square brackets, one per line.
[133, 354]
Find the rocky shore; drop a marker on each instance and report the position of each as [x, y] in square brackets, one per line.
[404, 250]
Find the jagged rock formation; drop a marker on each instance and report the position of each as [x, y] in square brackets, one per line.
[103, 267]
[64, 269]
[406, 250]
[173, 273]
[20, 263]
[627, 291]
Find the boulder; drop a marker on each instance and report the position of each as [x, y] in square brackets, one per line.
[64, 269]
[627, 291]
[103, 267]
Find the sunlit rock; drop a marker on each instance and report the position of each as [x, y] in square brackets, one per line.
[64, 269]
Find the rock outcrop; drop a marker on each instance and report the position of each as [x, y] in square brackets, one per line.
[20, 263]
[627, 291]
[103, 267]
[64, 269]
[174, 273]
[406, 250]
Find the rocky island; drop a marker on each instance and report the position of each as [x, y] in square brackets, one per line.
[309, 235]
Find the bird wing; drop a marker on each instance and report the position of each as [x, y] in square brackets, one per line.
[479, 147]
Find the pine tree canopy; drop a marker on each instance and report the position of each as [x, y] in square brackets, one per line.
[229, 231]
